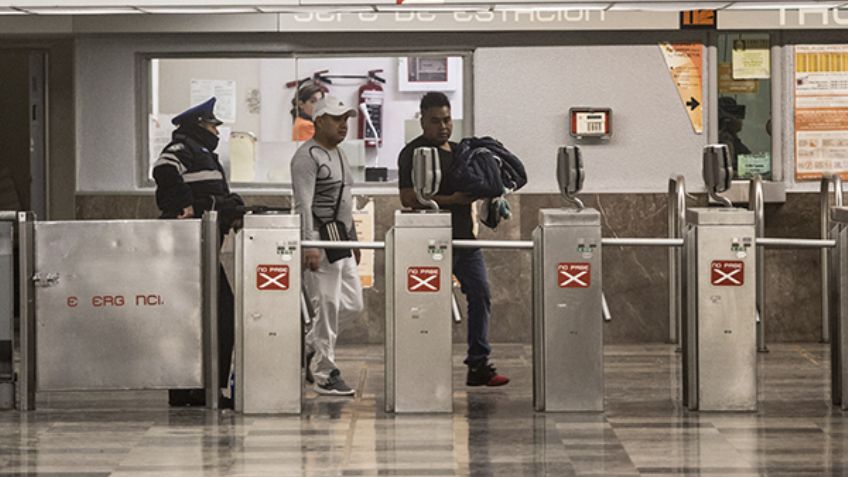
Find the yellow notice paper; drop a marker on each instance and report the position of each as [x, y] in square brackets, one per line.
[751, 58]
[364, 220]
[684, 61]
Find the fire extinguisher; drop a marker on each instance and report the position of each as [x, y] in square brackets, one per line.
[371, 97]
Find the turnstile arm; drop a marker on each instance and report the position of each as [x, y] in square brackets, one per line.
[306, 310]
[605, 308]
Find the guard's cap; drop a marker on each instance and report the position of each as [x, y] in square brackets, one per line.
[728, 107]
[203, 112]
[332, 106]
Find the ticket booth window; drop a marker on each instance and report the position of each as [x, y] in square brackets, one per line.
[744, 102]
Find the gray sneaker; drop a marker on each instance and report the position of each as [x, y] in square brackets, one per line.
[335, 386]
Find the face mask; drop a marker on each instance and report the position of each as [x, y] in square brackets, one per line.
[206, 138]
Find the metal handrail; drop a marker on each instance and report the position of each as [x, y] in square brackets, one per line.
[327, 244]
[794, 243]
[643, 242]
[756, 204]
[825, 204]
[676, 230]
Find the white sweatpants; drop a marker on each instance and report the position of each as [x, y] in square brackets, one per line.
[336, 294]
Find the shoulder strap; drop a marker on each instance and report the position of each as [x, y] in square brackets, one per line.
[341, 189]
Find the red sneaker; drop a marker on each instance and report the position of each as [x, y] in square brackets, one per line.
[485, 375]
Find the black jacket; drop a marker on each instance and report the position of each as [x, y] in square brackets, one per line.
[485, 168]
[189, 174]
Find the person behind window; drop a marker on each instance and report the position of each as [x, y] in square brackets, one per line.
[468, 264]
[730, 117]
[303, 108]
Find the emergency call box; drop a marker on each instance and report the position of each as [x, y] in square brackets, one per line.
[590, 122]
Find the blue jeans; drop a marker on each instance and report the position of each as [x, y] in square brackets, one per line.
[470, 268]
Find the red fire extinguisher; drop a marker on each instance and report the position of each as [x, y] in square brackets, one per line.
[371, 97]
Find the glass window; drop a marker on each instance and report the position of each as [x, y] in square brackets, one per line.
[266, 106]
[744, 102]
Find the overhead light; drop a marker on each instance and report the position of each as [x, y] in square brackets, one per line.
[197, 10]
[82, 11]
[782, 5]
[551, 7]
[321, 9]
[431, 8]
[11, 11]
[667, 6]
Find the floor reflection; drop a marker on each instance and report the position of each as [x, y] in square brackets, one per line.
[645, 430]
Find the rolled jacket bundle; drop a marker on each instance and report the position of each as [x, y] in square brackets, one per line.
[484, 168]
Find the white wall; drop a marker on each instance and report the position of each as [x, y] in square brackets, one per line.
[522, 97]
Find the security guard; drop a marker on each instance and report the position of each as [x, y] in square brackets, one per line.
[190, 181]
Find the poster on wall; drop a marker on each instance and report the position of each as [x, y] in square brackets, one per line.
[685, 64]
[821, 111]
[363, 219]
[426, 73]
[751, 58]
[223, 90]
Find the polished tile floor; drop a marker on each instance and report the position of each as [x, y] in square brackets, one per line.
[493, 432]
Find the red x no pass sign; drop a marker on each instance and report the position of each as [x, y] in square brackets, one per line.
[727, 273]
[574, 275]
[272, 277]
[422, 279]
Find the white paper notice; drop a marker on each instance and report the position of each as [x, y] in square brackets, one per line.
[364, 220]
[223, 90]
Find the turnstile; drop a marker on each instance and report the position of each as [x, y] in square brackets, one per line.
[419, 294]
[268, 322]
[720, 343]
[838, 306]
[116, 305]
[568, 351]
[419, 367]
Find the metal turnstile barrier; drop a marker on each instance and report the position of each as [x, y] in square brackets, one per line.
[825, 204]
[7, 308]
[838, 306]
[676, 230]
[118, 305]
[419, 299]
[267, 339]
[568, 335]
[419, 365]
[720, 351]
[756, 204]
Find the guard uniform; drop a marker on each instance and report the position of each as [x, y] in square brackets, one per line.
[188, 173]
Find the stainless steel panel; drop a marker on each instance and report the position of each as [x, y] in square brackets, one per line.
[26, 296]
[839, 214]
[262, 221]
[126, 310]
[268, 324]
[572, 329]
[719, 216]
[538, 324]
[211, 258]
[421, 218]
[837, 306]
[726, 320]
[568, 217]
[689, 335]
[389, 357]
[422, 367]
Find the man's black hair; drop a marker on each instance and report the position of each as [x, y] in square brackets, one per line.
[434, 99]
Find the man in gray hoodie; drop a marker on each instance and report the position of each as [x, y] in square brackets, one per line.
[322, 181]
